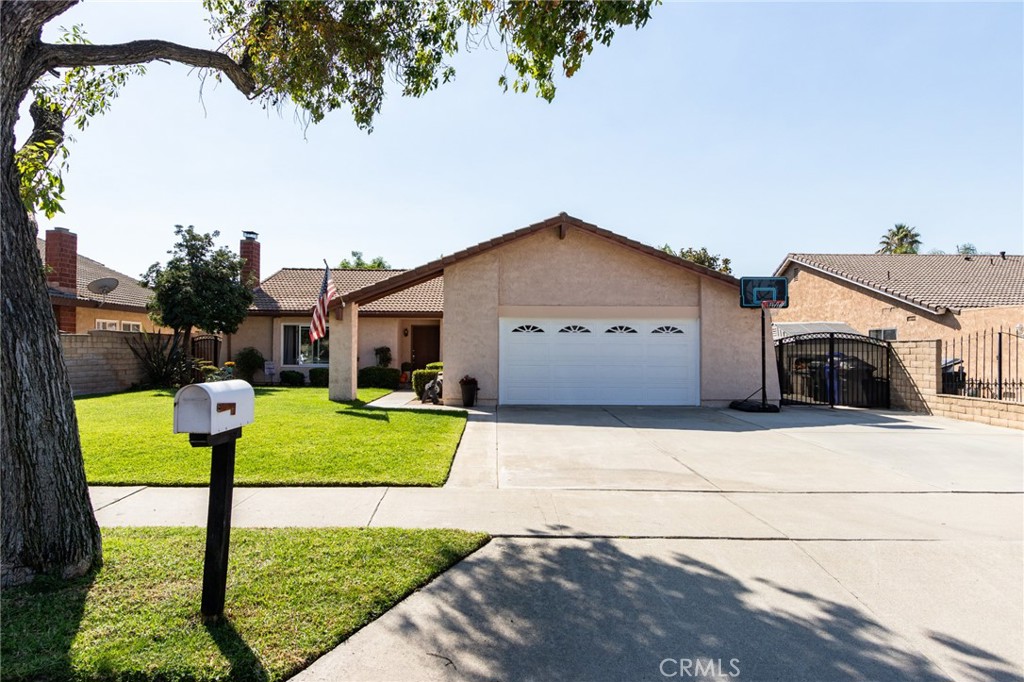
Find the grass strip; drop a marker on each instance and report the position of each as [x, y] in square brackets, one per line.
[293, 594]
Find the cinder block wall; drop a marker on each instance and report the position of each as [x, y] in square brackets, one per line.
[101, 362]
[915, 382]
[914, 374]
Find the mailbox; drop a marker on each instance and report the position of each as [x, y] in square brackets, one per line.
[213, 408]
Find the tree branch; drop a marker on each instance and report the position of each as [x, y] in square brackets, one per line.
[49, 56]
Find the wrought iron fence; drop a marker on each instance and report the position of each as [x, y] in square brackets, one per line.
[833, 368]
[985, 364]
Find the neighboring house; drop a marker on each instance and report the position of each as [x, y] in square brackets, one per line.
[78, 308]
[409, 322]
[902, 296]
[565, 312]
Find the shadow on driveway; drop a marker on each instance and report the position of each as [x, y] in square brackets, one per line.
[617, 610]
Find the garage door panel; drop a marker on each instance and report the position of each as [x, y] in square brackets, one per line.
[565, 368]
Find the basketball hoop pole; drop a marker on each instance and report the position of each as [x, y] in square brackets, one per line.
[764, 373]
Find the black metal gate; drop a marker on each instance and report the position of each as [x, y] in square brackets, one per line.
[833, 368]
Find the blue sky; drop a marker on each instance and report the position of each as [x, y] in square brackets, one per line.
[751, 129]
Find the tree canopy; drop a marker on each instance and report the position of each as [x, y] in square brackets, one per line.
[199, 287]
[703, 257]
[320, 55]
[358, 263]
[900, 239]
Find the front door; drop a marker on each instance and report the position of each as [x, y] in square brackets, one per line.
[426, 345]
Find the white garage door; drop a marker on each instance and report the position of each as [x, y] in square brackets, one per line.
[598, 362]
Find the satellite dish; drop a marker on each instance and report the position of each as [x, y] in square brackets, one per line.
[103, 286]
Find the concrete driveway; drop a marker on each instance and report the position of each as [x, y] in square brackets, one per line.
[798, 450]
[658, 544]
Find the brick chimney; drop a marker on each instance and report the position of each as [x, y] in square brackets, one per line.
[249, 250]
[62, 273]
[62, 259]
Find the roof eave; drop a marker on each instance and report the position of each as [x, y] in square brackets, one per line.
[436, 268]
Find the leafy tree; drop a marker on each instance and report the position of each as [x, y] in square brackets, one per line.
[320, 55]
[967, 249]
[76, 95]
[358, 263]
[900, 239]
[703, 257]
[199, 288]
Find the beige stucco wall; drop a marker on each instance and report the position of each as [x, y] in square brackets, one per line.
[85, 318]
[730, 348]
[818, 297]
[375, 332]
[257, 332]
[470, 332]
[586, 271]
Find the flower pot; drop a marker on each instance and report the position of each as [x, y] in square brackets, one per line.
[468, 394]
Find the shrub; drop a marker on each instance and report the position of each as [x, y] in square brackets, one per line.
[318, 376]
[290, 377]
[383, 354]
[248, 361]
[420, 379]
[439, 366]
[162, 359]
[377, 377]
[406, 366]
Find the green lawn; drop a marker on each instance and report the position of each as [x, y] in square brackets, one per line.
[293, 594]
[299, 438]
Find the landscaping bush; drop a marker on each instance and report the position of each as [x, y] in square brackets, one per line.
[439, 366]
[383, 354]
[248, 361]
[318, 376]
[290, 377]
[420, 379]
[375, 377]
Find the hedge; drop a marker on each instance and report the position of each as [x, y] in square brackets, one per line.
[318, 376]
[420, 379]
[378, 377]
[439, 366]
[290, 377]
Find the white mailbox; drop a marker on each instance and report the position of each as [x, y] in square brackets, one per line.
[213, 408]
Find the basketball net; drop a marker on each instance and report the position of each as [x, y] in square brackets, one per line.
[767, 305]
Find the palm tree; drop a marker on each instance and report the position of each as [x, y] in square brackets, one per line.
[900, 239]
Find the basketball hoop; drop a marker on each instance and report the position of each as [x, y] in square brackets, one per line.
[769, 304]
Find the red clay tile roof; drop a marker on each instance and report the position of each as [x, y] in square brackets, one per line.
[936, 282]
[128, 292]
[294, 290]
[563, 221]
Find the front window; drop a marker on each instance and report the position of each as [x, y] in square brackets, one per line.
[299, 351]
[883, 334]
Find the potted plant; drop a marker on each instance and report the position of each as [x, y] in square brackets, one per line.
[469, 387]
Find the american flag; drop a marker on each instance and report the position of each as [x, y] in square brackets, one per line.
[318, 327]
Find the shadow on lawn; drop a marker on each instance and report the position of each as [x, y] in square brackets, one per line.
[245, 664]
[40, 622]
[365, 413]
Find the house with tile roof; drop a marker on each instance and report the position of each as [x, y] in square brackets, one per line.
[564, 312]
[79, 307]
[408, 322]
[905, 297]
[557, 312]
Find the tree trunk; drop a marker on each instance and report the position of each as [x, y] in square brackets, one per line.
[48, 523]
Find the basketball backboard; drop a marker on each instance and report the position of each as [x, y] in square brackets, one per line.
[753, 290]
